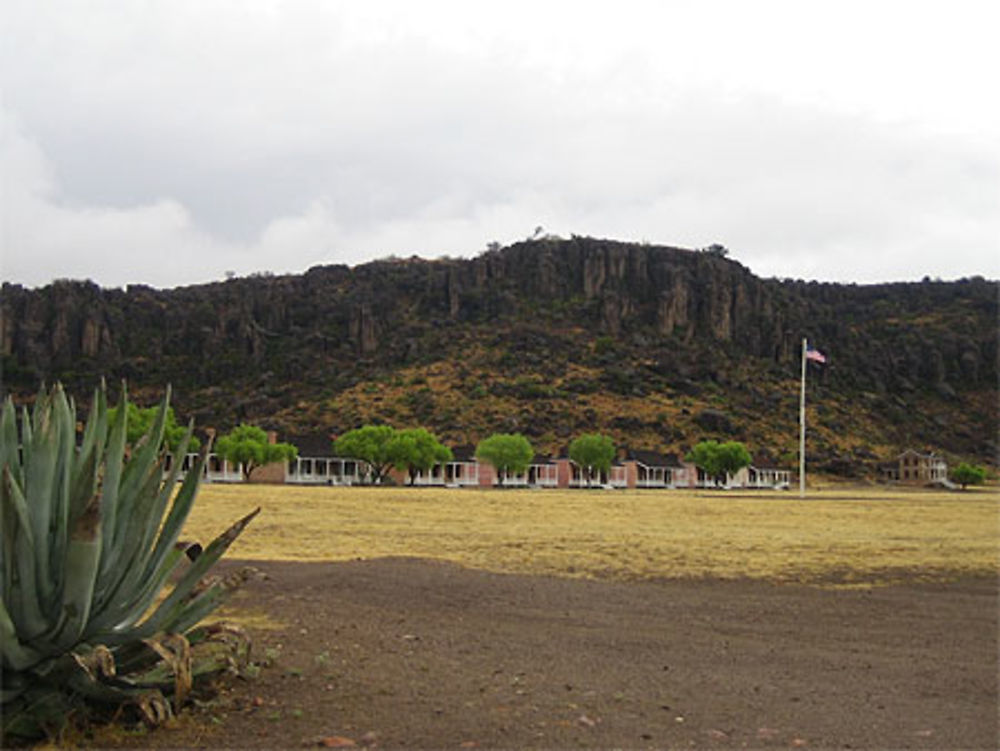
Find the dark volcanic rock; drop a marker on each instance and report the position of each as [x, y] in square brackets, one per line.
[670, 319]
[715, 421]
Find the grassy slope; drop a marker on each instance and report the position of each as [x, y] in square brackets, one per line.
[835, 537]
[561, 386]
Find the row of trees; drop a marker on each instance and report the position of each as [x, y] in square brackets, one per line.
[416, 450]
[382, 447]
[511, 454]
[246, 445]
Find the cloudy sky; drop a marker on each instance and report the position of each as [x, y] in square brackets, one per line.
[170, 142]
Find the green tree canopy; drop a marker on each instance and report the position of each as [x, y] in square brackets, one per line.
[416, 450]
[139, 420]
[248, 445]
[968, 474]
[372, 444]
[720, 459]
[509, 453]
[593, 452]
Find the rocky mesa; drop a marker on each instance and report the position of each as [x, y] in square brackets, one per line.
[658, 346]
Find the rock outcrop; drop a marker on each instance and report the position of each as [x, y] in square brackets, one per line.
[696, 315]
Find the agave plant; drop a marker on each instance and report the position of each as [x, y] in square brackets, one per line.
[89, 542]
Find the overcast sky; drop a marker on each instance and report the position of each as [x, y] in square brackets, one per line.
[170, 142]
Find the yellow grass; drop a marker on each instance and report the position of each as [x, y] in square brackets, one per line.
[836, 536]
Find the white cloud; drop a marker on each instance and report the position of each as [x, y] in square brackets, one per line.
[169, 143]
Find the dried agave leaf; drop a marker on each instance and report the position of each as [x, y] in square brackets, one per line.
[175, 650]
[154, 708]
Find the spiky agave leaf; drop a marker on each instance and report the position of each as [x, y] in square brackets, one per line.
[88, 534]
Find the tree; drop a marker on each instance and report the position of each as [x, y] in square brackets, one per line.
[138, 422]
[248, 445]
[720, 459]
[416, 450]
[371, 444]
[593, 453]
[968, 474]
[509, 453]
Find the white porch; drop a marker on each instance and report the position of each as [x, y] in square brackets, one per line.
[323, 471]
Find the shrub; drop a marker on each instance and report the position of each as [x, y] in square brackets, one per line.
[968, 474]
[509, 453]
[593, 452]
[88, 542]
[720, 459]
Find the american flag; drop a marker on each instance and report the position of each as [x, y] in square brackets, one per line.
[814, 354]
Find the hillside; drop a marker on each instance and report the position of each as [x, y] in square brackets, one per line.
[657, 346]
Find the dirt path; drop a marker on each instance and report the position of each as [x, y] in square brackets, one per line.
[405, 653]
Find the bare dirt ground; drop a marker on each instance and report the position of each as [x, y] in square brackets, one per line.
[409, 653]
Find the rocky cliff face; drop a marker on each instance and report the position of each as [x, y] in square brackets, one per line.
[691, 317]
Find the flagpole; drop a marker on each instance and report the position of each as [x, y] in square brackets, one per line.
[802, 425]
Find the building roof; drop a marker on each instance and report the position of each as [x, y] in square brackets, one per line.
[464, 453]
[920, 454]
[313, 445]
[929, 455]
[767, 463]
[655, 458]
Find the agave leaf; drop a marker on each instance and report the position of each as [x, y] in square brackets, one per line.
[179, 510]
[40, 477]
[14, 684]
[197, 608]
[15, 527]
[174, 604]
[176, 652]
[155, 709]
[14, 655]
[129, 552]
[59, 520]
[128, 602]
[84, 486]
[22, 598]
[113, 462]
[119, 612]
[37, 711]
[9, 443]
[98, 660]
[87, 461]
[146, 533]
[26, 439]
[141, 468]
[83, 556]
[95, 432]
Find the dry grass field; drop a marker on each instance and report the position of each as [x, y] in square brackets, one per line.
[670, 620]
[836, 537]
